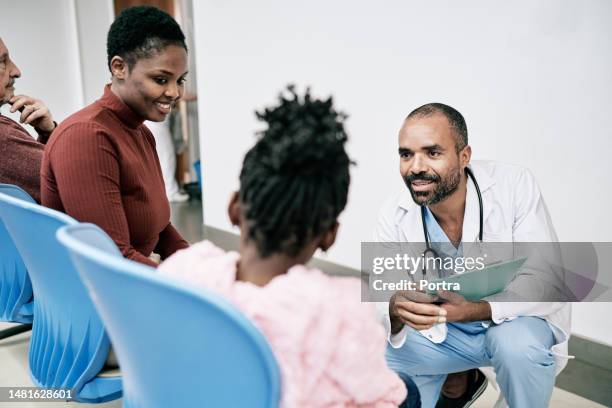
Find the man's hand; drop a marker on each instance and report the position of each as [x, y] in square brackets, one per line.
[416, 309]
[458, 309]
[33, 112]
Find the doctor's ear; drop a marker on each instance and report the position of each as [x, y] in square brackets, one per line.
[233, 209]
[464, 156]
[328, 239]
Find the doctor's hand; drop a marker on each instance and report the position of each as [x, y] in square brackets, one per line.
[416, 309]
[459, 309]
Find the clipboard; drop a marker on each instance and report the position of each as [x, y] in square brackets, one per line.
[488, 281]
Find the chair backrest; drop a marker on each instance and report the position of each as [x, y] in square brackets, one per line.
[176, 346]
[69, 346]
[15, 285]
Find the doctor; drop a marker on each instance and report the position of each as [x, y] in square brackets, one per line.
[525, 343]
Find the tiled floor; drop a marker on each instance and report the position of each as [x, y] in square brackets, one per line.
[560, 399]
[14, 372]
[187, 218]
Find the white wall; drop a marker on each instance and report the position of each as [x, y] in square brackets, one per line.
[532, 79]
[93, 18]
[43, 39]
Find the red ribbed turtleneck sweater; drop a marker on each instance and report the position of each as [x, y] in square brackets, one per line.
[101, 167]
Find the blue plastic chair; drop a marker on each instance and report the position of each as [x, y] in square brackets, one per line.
[69, 346]
[16, 303]
[177, 347]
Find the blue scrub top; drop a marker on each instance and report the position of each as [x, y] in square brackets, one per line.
[443, 246]
[438, 239]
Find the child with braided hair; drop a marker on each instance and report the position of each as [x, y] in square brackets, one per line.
[293, 185]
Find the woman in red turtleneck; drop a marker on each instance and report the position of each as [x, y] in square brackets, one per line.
[101, 165]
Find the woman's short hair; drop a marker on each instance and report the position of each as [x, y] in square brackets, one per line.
[139, 32]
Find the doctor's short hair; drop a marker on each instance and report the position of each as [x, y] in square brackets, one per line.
[294, 182]
[139, 32]
[455, 119]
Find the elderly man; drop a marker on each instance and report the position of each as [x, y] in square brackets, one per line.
[21, 153]
[525, 342]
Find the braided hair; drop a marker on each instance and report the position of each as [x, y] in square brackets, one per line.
[294, 182]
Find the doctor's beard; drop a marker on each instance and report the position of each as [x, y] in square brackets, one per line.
[444, 186]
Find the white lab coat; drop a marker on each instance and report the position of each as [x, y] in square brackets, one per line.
[165, 153]
[514, 211]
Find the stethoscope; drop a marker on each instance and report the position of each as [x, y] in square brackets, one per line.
[428, 248]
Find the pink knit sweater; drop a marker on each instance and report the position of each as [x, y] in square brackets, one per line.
[329, 346]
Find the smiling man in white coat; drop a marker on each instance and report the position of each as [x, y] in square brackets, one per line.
[525, 343]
